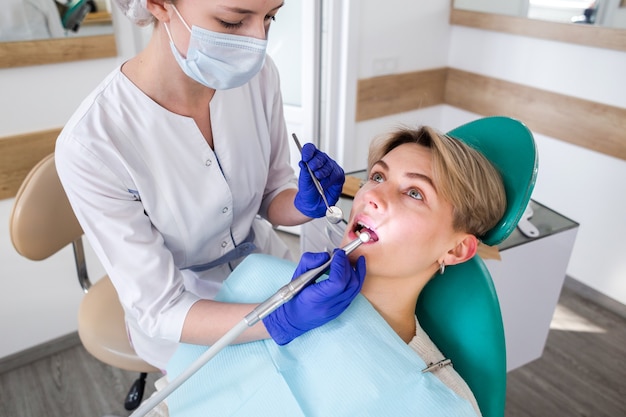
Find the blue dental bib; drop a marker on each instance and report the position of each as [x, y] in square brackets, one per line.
[355, 365]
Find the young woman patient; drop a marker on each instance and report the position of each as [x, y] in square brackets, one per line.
[427, 201]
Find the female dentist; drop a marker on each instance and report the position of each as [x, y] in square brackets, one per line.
[170, 163]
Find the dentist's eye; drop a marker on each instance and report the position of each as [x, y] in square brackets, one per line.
[270, 19]
[229, 25]
[415, 194]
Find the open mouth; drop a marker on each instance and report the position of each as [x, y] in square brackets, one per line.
[360, 227]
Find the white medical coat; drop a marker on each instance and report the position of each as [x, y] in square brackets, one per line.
[153, 198]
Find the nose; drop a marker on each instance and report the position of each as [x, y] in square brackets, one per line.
[376, 197]
[259, 29]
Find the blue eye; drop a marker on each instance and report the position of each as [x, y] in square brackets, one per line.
[376, 177]
[415, 194]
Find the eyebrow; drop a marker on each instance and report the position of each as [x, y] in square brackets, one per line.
[413, 175]
[246, 11]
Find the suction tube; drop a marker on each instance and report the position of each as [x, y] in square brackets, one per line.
[284, 294]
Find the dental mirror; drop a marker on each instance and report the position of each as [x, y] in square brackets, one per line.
[333, 213]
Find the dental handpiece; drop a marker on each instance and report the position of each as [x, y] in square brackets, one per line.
[288, 291]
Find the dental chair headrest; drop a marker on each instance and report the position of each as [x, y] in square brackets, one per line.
[74, 12]
[509, 145]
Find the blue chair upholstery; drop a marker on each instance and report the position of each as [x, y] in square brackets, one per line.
[459, 309]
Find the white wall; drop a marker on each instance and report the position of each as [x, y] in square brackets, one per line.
[583, 185]
[39, 300]
[401, 36]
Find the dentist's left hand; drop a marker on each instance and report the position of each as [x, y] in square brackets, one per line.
[328, 172]
[319, 302]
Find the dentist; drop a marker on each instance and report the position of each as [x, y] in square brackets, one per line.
[177, 166]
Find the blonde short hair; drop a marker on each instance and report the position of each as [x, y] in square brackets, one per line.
[462, 175]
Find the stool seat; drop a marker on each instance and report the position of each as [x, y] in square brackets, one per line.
[102, 329]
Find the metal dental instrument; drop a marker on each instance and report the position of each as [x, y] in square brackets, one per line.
[284, 294]
[333, 213]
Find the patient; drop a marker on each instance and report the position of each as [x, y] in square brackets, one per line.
[427, 201]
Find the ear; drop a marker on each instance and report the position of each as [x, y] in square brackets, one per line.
[464, 250]
[158, 9]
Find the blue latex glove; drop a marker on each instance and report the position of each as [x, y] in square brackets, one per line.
[328, 172]
[320, 302]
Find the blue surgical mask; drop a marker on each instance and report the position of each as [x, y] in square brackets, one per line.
[219, 60]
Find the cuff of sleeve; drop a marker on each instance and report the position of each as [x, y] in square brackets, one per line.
[174, 317]
[267, 200]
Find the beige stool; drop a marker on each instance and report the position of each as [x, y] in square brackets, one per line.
[42, 223]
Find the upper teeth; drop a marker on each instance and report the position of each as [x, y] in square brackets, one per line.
[363, 225]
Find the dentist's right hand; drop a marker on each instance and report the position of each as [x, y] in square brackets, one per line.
[319, 302]
[330, 175]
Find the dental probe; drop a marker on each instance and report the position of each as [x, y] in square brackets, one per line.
[284, 294]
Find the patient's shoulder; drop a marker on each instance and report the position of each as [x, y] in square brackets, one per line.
[426, 349]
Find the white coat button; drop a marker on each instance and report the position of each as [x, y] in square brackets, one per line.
[225, 210]
[224, 244]
[208, 162]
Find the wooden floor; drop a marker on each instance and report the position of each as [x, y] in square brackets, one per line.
[581, 373]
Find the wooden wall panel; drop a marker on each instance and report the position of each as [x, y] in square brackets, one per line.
[585, 123]
[51, 51]
[589, 35]
[18, 154]
[392, 94]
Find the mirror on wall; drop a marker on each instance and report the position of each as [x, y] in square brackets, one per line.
[600, 24]
[34, 32]
[602, 13]
[32, 20]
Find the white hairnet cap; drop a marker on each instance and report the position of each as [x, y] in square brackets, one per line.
[136, 11]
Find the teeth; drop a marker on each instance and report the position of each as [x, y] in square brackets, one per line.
[363, 228]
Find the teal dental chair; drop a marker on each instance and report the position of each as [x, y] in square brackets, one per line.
[459, 310]
[74, 12]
